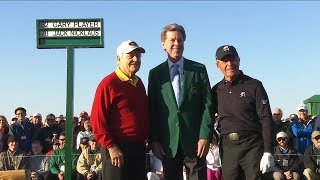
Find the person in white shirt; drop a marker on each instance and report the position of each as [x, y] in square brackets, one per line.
[86, 131]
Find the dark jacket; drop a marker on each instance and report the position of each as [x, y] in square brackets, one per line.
[292, 157]
[25, 133]
[311, 154]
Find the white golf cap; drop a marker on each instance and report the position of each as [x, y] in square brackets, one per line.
[128, 46]
[302, 107]
[282, 135]
[37, 115]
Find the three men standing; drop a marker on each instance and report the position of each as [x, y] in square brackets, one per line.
[181, 114]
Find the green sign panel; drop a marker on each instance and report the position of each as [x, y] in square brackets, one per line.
[61, 33]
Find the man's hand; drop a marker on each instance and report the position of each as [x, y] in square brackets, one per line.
[266, 163]
[288, 174]
[116, 156]
[157, 150]
[90, 176]
[60, 175]
[33, 175]
[203, 147]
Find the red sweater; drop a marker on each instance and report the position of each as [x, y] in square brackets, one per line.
[119, 112]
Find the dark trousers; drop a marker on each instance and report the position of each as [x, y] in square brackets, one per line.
[196, 168]
[134, 167]
[242, 158]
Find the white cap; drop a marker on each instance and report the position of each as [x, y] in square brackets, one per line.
[282, 135]
[128, 46]
[302, 107]
[37, 115]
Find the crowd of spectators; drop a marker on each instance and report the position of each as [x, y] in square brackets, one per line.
[37, 146]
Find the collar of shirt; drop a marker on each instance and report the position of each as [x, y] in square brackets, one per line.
[180, 62]
[283, 150]
[21, 122]
[124, 77]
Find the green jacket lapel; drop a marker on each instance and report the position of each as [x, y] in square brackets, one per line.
[166, 84]
[187, 79]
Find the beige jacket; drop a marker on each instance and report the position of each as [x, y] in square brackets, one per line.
[89, 162]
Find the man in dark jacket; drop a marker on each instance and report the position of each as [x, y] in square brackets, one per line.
[312, 158]
[286, 159]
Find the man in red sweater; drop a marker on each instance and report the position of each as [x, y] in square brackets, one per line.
[120, 118]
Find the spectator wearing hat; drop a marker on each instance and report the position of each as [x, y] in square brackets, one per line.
[302, 129]
[13, 158]
[84, 144]
[13, 120]
[89, 163]
[245, 120]
[38, 162]
[49, 132]
[57, 159]
[23, 130]
[286, 160]
[4, 131]
[83, 116]
[86, 131]
[37, 120]
[312, 158]
[120, 118]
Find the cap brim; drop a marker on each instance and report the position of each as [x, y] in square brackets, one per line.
[141, 49]
[224, 55]
[316, 136]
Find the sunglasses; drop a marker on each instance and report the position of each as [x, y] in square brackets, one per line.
[276, 114]
[281, 139]
[62, 139]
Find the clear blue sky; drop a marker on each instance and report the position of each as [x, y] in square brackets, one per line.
[278, 43]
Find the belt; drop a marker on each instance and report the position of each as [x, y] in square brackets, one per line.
[237, 136]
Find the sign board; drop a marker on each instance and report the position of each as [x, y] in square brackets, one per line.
[61, 33]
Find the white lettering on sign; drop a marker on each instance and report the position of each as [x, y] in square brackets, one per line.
[70, 33]
[71, 24]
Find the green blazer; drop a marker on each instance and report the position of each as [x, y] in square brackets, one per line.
[191, 120]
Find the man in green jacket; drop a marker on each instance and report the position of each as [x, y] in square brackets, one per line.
[181, 109]
[57, 160]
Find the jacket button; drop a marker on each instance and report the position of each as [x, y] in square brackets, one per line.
[177, 125]
[178, 111]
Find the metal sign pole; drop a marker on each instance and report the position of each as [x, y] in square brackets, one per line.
[69, 114]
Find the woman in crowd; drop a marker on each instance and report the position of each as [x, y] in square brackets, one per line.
[4, 130]
[85, 131]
